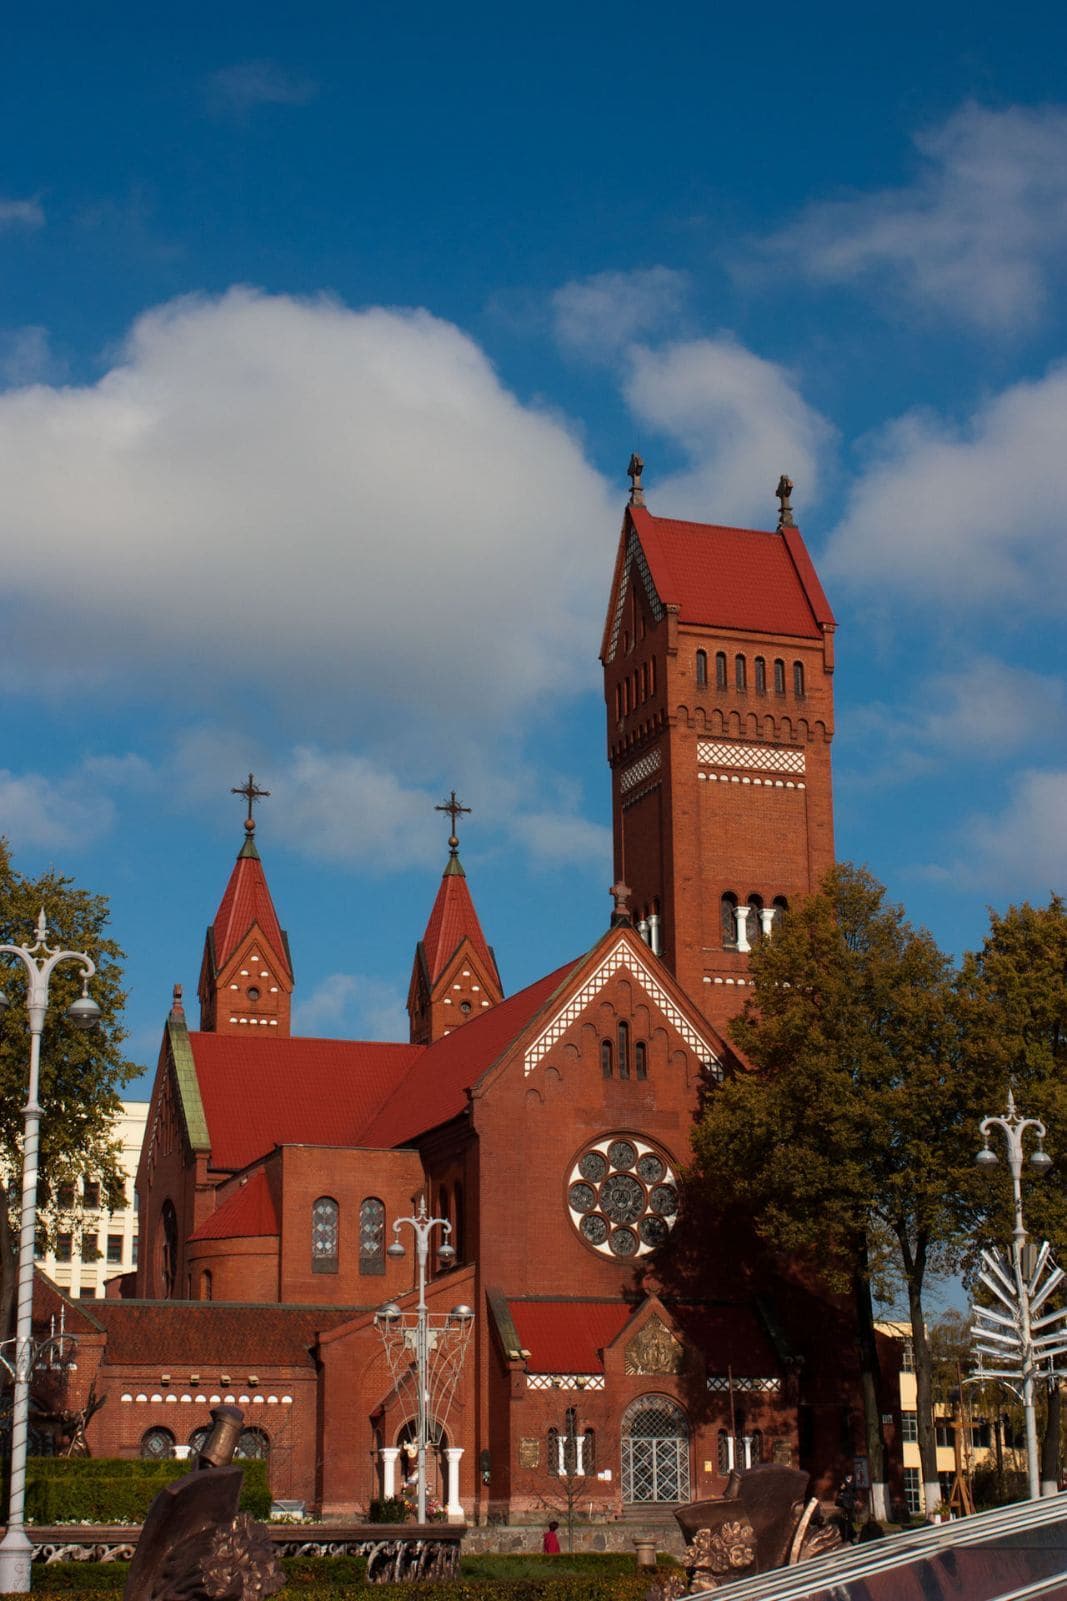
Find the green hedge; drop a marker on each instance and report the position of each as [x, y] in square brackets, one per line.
[110, 1490]
[532, 1565]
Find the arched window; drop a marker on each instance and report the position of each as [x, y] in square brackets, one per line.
[779, 677]
[206, 1285]
[625, 697]
[761, 676]
[702, 669]
[798, 680]
[587, 1451]
[725, 1452]
[252, 1445]
[641, 1059]
[644, 682]
[618, 702]
[755, 1447]
[652, 675]
[198, 1439]
[755, 919]
[157, 1444]
[168, 1247]
[325, 1234]
[457, 1224]
[624, 1050]
[740, 672]
[372, 1234]
[720, 669]
[729, 920]
[781, 909]
[552, 1453]
[607, 1058]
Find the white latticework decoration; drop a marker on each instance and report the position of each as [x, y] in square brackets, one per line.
[721, 1384]
[643, 768]
[621, 956]
[750, 756]
[565, 1381]
[447, 1339]
[635, 557]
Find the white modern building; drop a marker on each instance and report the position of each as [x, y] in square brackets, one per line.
[94, 1244]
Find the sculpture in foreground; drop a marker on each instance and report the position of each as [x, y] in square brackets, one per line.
[765, 1520]
[195, 1545]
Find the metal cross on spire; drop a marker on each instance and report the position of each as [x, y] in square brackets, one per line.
[633, 472]
[785, 512]
[455, 809]
[251, 793]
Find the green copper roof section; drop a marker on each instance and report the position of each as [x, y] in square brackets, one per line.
[248, 849]
[181, 1054]
[454, 868]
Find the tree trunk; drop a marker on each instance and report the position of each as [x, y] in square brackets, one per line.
[914, 1263]
[870, 1388]
[1051, 1445]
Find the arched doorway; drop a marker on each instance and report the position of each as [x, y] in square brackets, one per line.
[436, 1477]
[655, 1451]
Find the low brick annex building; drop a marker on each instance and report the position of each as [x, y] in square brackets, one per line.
[612, 1336]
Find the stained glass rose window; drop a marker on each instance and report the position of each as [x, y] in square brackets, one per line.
[622, 1196]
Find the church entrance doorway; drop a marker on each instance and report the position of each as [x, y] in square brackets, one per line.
[436, 1457]
[655, 1451]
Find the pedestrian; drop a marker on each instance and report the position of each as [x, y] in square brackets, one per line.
[550, 1543]
[846, 1505]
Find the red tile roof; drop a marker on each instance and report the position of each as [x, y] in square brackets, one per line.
[452, 919]
[734, 577]
[246, 901]
[214, 1333]
[435, 1087]
[260, 1092]
[570, 1336]
[567, 1336]
[246, 1214]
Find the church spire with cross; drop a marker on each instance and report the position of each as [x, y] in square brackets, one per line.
[454, 976]
[246, 976]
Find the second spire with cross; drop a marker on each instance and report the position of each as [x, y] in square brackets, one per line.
[455, 809]
[251, 793]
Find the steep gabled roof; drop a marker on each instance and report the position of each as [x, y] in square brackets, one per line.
[743, 578]
[453, 919]
[258, 1091]
[435, 1089]
[248, 1213]
[246, 902]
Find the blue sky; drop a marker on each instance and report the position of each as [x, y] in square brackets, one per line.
[325, 337]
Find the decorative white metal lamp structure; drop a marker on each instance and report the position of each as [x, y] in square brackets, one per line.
[1024, 1345]
[437, 1341]
[40, 961]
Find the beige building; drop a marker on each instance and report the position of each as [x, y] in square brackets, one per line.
[98, 1244]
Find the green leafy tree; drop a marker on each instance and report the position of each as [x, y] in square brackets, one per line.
[856, 1131]
[82, 1072]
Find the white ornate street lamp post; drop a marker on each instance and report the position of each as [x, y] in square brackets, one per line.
[40, 961]
[1024, 1344]
[420, 1337]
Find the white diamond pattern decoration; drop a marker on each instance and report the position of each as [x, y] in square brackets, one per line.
[749, 756]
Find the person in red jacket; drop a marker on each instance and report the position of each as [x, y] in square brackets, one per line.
[550, 1543]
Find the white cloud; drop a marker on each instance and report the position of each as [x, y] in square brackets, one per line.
[602, 314]
[558, 839]
[26, 357]
[964, 516]
[45, 813]
[21, 214]
[741, 420]
[349, 808]
[351, 1005]
[345, 506]
[1021, 849]
[990, 707]
[247, 84]
[977, 234]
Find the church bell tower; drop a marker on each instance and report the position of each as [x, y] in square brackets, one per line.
[718, 656]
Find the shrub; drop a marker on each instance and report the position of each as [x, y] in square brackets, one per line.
[391, 1509]
[112, 1490]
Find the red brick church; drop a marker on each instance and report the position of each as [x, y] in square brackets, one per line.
[613, 1338]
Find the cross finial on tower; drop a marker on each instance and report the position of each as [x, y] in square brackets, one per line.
[454, 809]
[785, 511]
[633, 472]
[252, 793]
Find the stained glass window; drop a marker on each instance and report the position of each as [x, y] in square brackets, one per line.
[157, 1444]
[372, 1236]
[325, 1232]
[622, 1196]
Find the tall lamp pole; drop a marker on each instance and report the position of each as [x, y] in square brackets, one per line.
[40, 961]
[1013, 1337]
[422, 1225]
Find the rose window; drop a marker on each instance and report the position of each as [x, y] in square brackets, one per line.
[623, 1197]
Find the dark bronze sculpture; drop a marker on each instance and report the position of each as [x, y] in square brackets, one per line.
[195, 1545]
[764, 1520]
